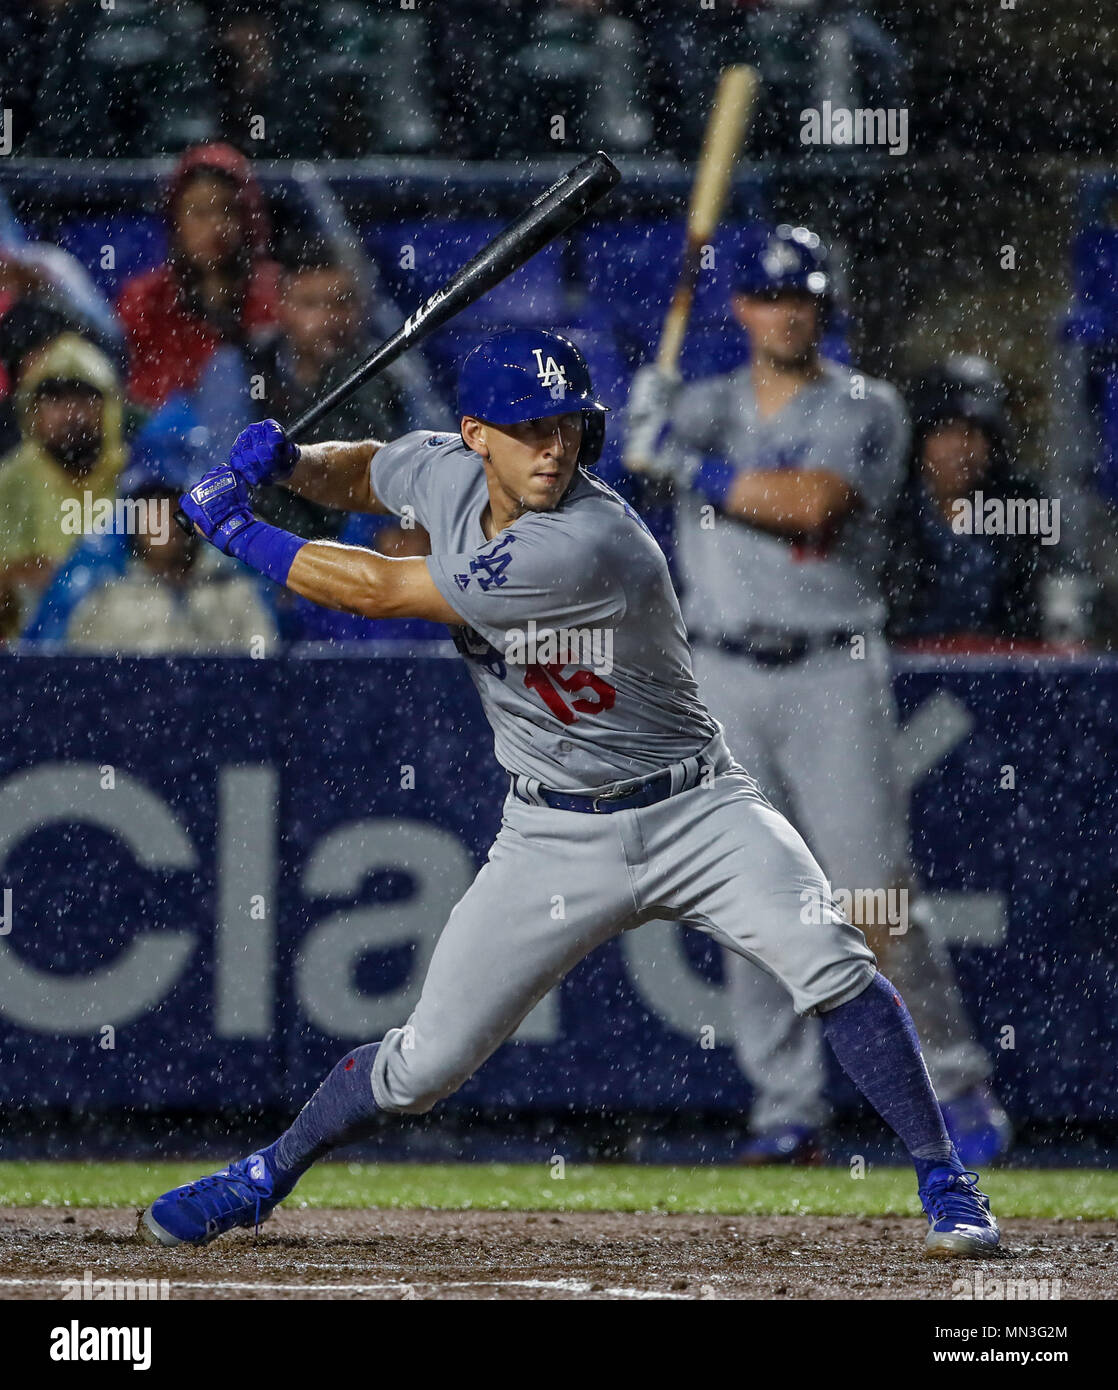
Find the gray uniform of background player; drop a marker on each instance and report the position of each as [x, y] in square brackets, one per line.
[557, 882]
[817, 734]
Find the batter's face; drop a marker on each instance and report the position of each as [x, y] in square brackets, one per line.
[784, 329]
[529, 465]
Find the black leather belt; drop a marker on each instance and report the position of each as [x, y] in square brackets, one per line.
[672, 780]
[768, 647]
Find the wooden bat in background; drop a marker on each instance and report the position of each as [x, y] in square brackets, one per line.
[726, 127]
[555, 211]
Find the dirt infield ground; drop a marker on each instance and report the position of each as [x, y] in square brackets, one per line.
[376, 1254]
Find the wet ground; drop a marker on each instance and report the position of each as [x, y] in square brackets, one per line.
[372, 1254]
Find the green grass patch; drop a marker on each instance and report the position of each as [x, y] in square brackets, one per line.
[1088, 1193]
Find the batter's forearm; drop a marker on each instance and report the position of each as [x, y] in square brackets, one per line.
[342, 577]
[336, 475]
[370, 585]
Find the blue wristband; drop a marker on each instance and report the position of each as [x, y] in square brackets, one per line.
[713, 479]
[266, 549]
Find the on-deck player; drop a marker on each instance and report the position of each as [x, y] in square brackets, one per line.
[623, 774]
[785, 472]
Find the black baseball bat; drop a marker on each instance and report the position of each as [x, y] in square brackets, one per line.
[553, 212]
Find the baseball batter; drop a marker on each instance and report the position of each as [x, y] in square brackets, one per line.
[785, 472]
[624, 802]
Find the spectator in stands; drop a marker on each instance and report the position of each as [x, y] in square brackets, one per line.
[27, 324]
[218, 284]
[319, 333]
[173, 447]
[807, 52]
[947, 578]
[589, 60]
[29, 267]
[44, 292]
[69, 408]
[264, 63]
[45, 77]
[172, 597]
[687, 45]
[477, 93]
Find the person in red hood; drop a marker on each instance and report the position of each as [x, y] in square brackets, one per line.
[218, 284]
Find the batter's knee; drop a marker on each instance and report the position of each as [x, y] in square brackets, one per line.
[831, 967]
[820, 958]
[850, 988]
[409, 1079]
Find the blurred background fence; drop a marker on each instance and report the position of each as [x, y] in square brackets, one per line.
[199, 932]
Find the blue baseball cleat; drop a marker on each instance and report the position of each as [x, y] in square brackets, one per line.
[978, 1126]
[959, 1215]
[244, 1194]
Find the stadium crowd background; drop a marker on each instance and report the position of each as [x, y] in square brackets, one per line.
[208, 210]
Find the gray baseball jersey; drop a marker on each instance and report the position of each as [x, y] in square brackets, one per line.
[715, 855]
[575, 639]
[734, 575]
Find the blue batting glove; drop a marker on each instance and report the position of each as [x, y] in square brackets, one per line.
[219, 506]
[263, 452]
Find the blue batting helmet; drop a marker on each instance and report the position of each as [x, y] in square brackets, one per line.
[789, 260]
[525, 374]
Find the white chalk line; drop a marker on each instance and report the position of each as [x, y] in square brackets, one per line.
[555, 1285]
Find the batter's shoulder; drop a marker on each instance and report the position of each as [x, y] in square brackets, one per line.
[427, 451]
[594, 540]
[424, 443]
[591, 519]
[407, 469]
[564, 542]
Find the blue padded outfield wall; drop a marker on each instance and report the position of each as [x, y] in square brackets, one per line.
[233, 914]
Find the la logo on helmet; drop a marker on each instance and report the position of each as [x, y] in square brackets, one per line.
[778, 258]
[550, 373]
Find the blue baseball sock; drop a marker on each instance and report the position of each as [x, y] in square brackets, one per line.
[338, 1113]
[875, 1040]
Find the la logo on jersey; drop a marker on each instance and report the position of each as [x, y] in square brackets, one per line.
[550, 374]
